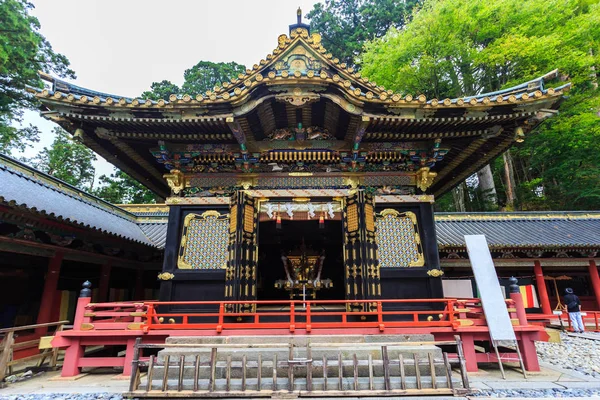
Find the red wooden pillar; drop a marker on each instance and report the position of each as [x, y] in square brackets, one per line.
[541, 285]
[103, 286]
[49, 292]
[469, 352]
[528, 351]
[139, 285]
[593, 270]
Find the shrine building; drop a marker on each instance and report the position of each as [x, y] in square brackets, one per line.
[300, 177]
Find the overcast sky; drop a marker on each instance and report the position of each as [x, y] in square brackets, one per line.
[122, 46]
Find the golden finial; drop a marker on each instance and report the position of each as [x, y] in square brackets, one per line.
[299, 15]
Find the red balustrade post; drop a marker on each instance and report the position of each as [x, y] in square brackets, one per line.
[292, 317]
[75, 351]
[308, 317]
[516, 296]
[380, 316]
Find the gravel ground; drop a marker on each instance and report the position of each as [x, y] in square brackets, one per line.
[574, 353]
[550, 393]
[63, 396]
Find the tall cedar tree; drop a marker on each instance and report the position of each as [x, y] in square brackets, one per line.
[23, 52]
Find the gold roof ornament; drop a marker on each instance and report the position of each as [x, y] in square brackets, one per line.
[425, 178]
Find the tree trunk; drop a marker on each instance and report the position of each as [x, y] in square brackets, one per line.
[458, 194]
[509, 180]
[487, 187]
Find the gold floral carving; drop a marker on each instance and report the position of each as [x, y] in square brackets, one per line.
[435, 273]
[166, 276]
[175, 180]
[425, 178]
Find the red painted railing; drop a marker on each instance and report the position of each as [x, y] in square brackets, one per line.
[306, 315]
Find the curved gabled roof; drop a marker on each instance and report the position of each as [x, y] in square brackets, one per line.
[432, 143]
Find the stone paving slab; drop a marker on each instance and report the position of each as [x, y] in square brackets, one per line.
[523, 385]
[580, 385]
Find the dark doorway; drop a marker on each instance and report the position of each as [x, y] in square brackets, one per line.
[272, 241]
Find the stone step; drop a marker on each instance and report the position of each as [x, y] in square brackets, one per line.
[300, 383]
[298, 340]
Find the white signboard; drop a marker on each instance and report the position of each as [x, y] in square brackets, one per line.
[492, 298]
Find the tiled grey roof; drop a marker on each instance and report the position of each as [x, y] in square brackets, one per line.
[524, 229]
[25, 187]
[156, 232]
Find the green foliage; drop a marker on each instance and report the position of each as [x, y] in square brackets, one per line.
[67, 160]
[453, 48]
[206, 75]
[161, 90]
[120, 188]
[202, 77]
[346, 25]
[23, 52]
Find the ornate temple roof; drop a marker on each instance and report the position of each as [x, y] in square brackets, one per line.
[299, 110]
[28, 189]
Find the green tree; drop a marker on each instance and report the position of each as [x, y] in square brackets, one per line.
[345, 25]
[202, 77]
[161, 90]
[206, 75]
[23, 52]
[67, 160]
[120, 188]
[453, 48]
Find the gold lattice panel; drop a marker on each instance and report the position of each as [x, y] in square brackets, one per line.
[233, 219]
[204, 245]
[248, 218]
[352, 216]
[369, 218]
[398, 241]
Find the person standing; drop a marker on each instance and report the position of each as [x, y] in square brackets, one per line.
[573, 306]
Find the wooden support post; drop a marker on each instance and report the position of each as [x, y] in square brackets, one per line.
[275, 372]
[593, 271]
[542, 289]
[165, 382]
[103, 286]
[259, 372]
[7, 343]
[417, 371]
[324, 372]
[48, 294]
[402, 371]
[129, 354]
[150, 373]
[134, 382]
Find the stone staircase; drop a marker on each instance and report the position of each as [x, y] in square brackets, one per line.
[311, 365]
